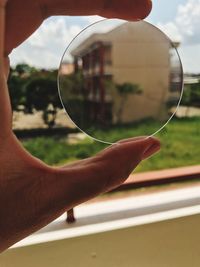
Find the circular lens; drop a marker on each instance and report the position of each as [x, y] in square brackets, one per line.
[120, 75]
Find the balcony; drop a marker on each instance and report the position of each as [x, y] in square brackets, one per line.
[148, 227]
[95, 71]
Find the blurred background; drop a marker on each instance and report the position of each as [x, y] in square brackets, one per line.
[37, 109]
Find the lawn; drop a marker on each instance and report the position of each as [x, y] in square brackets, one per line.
[180, 141]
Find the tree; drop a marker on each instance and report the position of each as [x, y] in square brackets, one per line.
[15, 85]
[17, 79]
[123, 90]
[34, 89]
[191, 96]
[186, 99]
[73, 97]
[71, 86]
[42, 95]
[24, 69]
[195, 94]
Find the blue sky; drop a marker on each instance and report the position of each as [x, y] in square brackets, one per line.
[165, 10]
[179, 19]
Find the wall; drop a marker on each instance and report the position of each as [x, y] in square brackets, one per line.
[171, 243]
[147, 65]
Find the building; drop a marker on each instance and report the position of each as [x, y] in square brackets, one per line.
[66, 68]
[132, 53]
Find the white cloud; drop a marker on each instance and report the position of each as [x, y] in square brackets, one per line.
[46, 46]
[185, 27]
[171, 30]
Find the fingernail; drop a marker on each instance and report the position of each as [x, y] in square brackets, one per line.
[153, 147]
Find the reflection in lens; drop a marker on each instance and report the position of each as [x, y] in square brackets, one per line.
[120, 74]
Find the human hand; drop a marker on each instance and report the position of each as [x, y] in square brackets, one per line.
[32, 194]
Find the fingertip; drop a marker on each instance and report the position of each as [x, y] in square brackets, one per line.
[141, 147]
[144, 139]
[152, 146]
[144, 8]
[127, 9]
[141, 10]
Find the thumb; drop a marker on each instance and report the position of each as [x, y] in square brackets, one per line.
[101, 173]
[135, 148]
[145, 145]
[120, 159]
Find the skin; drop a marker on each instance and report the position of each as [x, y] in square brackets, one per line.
[32, 194]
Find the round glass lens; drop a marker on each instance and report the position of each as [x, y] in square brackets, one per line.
[120, 75]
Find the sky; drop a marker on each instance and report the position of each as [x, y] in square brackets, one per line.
[179, 19]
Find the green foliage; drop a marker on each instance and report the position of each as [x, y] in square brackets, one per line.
[179, 140]
[186, 99]
[34, 89]
[23, 68]
[191, 95]
[20, 77]
[16, 90]
[71, 86]
[41, 93]
[125, 89]
[195, 94]
[56, 150]
[73, 97]
[16, 84]
[128, 88]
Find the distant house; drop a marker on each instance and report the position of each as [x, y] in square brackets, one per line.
[66, 68]
[130, 53]
[189, 79]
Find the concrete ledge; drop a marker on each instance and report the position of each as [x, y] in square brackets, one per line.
[119, 214]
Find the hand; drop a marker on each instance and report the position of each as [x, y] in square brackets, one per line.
[33, 194]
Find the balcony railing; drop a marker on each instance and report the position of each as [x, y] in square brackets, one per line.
[158, 228]
[153, 178]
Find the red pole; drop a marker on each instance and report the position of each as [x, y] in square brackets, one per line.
[75, 64]
[101, 81]
[70, 216]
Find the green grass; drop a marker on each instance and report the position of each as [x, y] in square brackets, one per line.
[180, 141]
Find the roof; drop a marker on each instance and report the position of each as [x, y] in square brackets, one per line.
[127, 31]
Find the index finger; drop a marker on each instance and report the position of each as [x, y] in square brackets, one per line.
[124, 9]
[5, 108]
[2, 28]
